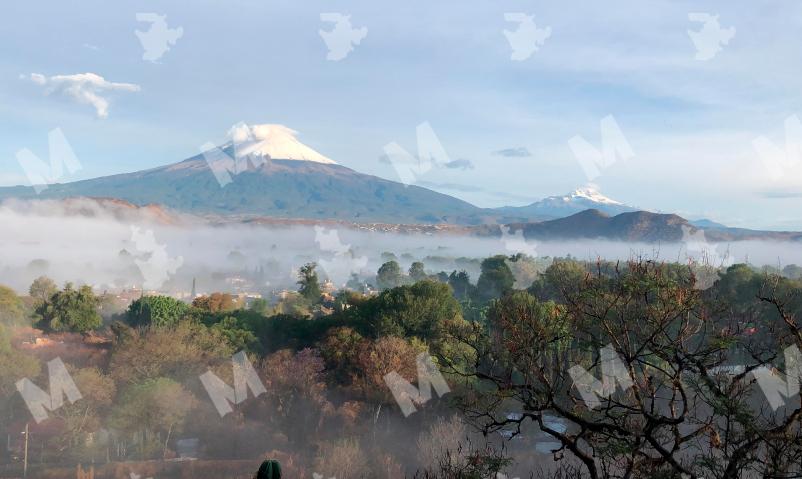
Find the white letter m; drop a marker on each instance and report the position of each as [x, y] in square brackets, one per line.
[245, 377]
[407, 395]
[61, 383]
[614, 373]
[773, 386]
[39, 173]
[614, 144]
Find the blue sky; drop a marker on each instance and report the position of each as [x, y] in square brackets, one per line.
[690, 122]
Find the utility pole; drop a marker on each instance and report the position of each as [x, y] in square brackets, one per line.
[25, 460]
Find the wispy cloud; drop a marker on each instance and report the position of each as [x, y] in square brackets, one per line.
[518, 152]
[87, 88]
[781, 194]
[461, 163]
[449, 186]
[458, 164]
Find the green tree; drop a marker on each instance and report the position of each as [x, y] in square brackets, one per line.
[461, 284]
[388, 256]
[525, 269]
[11, 310]
[309, 283]
[260, 306]
[416, 272]
[496, 278]
[42, 289]
[561, 277]
[418, 310]
[179, 352]
[389, 276]
[157, 311]
[152, 411]
[793, 271]
[71, 309]
[239, 337]
[520, 315]
[340, 349]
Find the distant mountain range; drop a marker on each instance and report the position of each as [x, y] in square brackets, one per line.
[583, 199]
[264, 174]
[562, 206]
[641, 226]
[265, 171]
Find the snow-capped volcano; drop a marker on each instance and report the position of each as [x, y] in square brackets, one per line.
[274, 141]
[264, 171]
[582, 199]
[588, 193]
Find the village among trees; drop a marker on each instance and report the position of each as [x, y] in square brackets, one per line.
[505, 342]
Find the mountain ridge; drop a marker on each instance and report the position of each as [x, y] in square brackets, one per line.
[270, 187]
[638, 226]
[243, 180]
[577, 201]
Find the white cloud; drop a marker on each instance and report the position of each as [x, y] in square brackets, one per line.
[85, 88]
[38, 78]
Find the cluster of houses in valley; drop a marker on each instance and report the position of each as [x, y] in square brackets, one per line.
[244, 290]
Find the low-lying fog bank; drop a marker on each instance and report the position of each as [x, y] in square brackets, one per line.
[110, 250]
